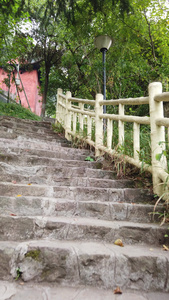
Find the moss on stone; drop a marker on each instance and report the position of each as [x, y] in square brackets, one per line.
[34, 254]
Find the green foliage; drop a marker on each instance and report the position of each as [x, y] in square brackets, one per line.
[18, 273]
[34, 254]
[164, 153]
[58, 128]
[88, 158]
[15, 110]
[64, 44]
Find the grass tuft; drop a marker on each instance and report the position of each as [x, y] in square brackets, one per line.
[17, 111]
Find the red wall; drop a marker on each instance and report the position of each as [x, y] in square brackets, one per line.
[31, 84]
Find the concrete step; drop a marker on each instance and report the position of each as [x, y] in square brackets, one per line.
[26, 154]
[30, 143]
[12, 122]
[82, 229]
[10, 135]
[27, 128]
[38, 206]
[62, 153]
[56, 172]
[53, 180]
[13, 134]
[86, 263]
[130, 195]
[19, 290]
[35, 160]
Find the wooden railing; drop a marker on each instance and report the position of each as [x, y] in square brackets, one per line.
[71, 116]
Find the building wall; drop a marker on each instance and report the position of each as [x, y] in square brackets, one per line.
[31, 87]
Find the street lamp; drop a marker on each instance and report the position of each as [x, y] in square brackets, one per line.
[103, 43]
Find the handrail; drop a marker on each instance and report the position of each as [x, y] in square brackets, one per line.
[70, 116]
[126, 101]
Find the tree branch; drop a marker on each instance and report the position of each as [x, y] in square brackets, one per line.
[150, 36]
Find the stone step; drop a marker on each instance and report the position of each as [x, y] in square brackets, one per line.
[10, 135]
[37, 206]
[82, 229]
[13, 134]
[87, 263]
[19, 290]
[62, 153]
[53, 180]
[35, 160]
[56, 172]
[28, 129]
[28, 143]
[130, 195]
[12, 122]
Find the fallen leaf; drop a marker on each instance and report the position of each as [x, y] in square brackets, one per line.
[29, 183]
[165, 248]
[13, 215]
[117, 291]
[14, 181]
[19, 196]
[119, 242]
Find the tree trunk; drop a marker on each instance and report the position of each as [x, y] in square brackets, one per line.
[44, 96]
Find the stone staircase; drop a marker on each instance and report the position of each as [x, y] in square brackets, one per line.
[60, 217]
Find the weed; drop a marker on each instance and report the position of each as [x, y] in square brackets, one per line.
[18, 273]
[88, 158]
[58, 127]
[79, 139]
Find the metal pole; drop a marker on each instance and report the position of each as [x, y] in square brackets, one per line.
[104, 50]
[9, 76]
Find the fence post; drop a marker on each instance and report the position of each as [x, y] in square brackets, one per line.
[98, 125]
[121, 124]
[157, 135]
[68, 117]
[59, 91]
[81, 106]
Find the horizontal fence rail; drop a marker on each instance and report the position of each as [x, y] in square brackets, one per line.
[79, 116]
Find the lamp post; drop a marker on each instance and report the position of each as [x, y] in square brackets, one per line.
[103, 43]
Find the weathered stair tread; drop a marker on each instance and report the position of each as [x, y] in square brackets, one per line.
[57, 171]
[77, 228]
[66, 153]
[131, 195]
[30, 143]
[16, 134]
[36, 206]
[91, 263]
[37, 291]
[36, 160]
[54, 180]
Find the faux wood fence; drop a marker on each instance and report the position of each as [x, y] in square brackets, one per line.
[69, 115]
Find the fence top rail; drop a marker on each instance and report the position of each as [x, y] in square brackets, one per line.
[62, 95]
[85, 101]
[162, 97]
[83, 112]
[125, 118]
[126, 101]
[162, 122]
[78, 108]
